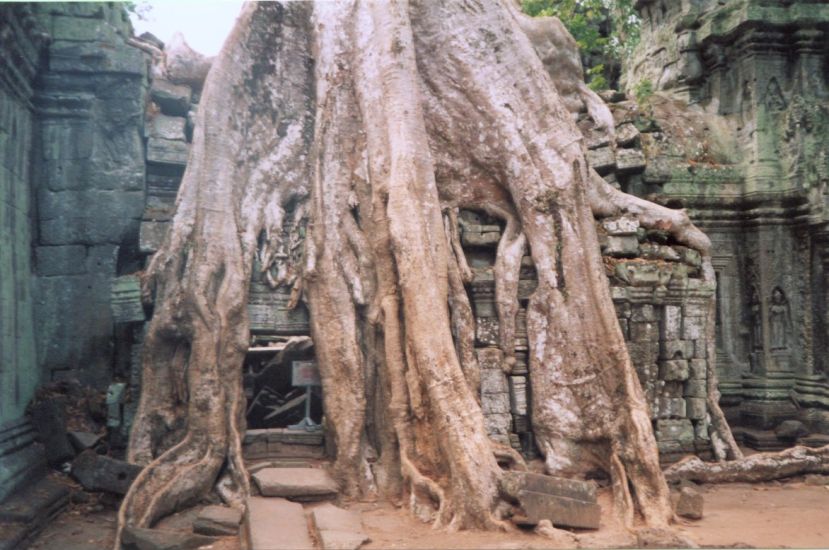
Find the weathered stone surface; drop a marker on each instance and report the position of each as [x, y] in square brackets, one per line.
[185, 65]
[629, 161]
[102, 473]
[38, 501]
[493, 380]
[512, 483]
[495, 403]
[671, 407]
[626, 133]
[61, 260]
[647, 331]
[791, 430]
[49, 420]
[650, 537]
[82, 441]
[173, 99]
[277, 524]
[676, 349]
[338, 529]
[697, 369]
[152, 235]
[125, 297]
[518, 395]
[689, 503]
[680, 430]
[302, 484]
[561, 511]
[695, 408]
[167, 152]
[622, 225]
[601, 160]
[486, 331]
[217, 521]
[498, 423]
[138, 538]
[673, 370]
[626, 246]
[166, 127]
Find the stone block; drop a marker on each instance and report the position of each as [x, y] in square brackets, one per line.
[82, 441]
[338, 529]
[689, 503]
[493, 381]
[679, 430]
[513, 482]
[644, 332]
[102, 473]
[689, 256]
[518, 395]
[602, 160]
[300, 484]
[630, 161]
[622, 225]
[697, 369]
[488, 239]
[489, 358]
[695, 309]
[67, 139]
[49, 420]
[626, 133]
[673, 370]
[498, 423]
[790, 430]
[671, 323]
[125, 300]
[487, 331]
[693, 328]
[167, 152]
[626, 246]
[495, 403]
[676, 349]
[671, 407]
[701, 348]
[657, 171]
[561, 511]
[701, 430]
[652, 251]
[695, 408]
[643, 312]
[166, 127]
[217, 521]
[696, 388]
[151, 236]
[60, 260]
[643, 353]
[173, 99]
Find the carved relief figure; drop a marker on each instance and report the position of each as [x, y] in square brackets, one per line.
[780, 319]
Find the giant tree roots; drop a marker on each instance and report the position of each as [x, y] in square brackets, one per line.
[336, 143]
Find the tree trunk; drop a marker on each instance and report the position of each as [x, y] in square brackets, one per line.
[353, 132]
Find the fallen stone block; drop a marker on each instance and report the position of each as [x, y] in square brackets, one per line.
[602, 160]
[622, 225]
[173, 99]
[166, 127]
[102, 473]
[512, 483]
[625, 246]
[626, 133]
[689, 503]
[137, 538]
[791, 430]
[217, 521]
[300, 484]
[277, 524]
[630, 161]
[561, 511]
[50, 422]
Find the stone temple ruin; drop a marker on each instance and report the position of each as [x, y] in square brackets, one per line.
[726, 115]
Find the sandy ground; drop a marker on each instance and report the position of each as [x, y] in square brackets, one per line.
[778, 515]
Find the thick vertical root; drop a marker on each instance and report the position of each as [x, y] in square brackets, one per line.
[507, 268]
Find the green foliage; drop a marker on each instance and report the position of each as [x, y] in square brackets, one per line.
[643, 90]
[605, 30]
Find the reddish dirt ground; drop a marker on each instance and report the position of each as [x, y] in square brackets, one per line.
[793, 514]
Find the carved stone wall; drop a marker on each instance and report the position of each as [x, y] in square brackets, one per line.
[740, 119]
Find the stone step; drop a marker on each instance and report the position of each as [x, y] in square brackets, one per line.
[25, 513]
[338, 529]
[514, 482]
[299, 484]
[277, 524]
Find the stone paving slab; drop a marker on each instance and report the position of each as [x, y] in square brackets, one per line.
[561, 511]
[277, 524]
[301, 484]
[338, 529]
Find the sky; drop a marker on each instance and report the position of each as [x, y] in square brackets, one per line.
[204, 23]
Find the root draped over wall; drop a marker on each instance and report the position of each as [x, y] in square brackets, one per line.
[371, 125]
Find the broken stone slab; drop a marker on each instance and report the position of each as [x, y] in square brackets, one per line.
[512, 483]
[300, 484]
[338, 529]
[622, 246]
[689, 503]
[277, 524]
[172, 98]
[626, 133]
[138, 538]
[50, 422]
[82, 441]
[217, 521]
[561, 511]
[102, 473]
